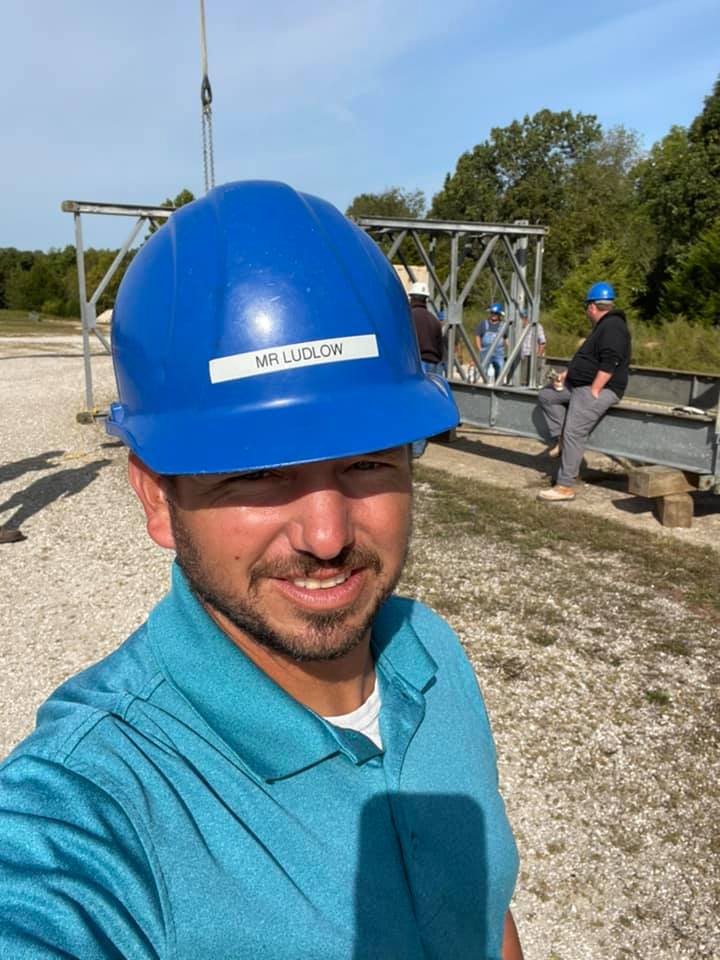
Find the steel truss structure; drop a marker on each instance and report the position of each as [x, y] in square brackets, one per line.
[144, 214]
[479, 244]
[667, 417]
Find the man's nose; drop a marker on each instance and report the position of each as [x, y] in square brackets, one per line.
[322, 525]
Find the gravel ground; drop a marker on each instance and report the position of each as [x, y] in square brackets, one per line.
[613, 795]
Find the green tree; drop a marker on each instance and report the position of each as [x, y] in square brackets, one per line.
[97, 263]
[523, 172]
[599, 204]
[693, 287]
[606, 261]
[677, 190]
[33, 288]
[520, 173]
[678, 186]
[705, 129]
[11, 260]
[392, 202]
[473, 191]
[185, 196]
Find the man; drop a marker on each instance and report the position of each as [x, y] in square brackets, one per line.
[428, 329]
[526, 349]
[284, 760]
[594, 381]
[487, 342]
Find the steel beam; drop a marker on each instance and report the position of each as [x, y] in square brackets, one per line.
[449, 226]
[630, 430]
[674, 387]
[117, 209]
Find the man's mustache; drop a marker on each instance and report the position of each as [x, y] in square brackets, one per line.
[305, 566]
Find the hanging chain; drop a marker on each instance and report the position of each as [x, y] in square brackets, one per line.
[206, 102]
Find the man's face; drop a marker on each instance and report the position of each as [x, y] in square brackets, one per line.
[296, 559]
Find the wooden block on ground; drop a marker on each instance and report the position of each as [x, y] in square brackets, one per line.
[675, 510]
[657, 481]
[450, 436]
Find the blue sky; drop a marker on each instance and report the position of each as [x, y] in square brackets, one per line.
[100, 101]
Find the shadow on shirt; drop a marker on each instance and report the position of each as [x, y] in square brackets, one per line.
[421, 889]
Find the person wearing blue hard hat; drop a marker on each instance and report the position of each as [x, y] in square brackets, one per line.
[595, 380]
[490, 345]
[285, 759]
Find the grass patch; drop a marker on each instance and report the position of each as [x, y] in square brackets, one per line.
[20, 323]
[676, 345]
[652, 562]
[675, 646]
[660, 698]
[543, 638]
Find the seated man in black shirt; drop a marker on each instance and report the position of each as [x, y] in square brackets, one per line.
[595, 380]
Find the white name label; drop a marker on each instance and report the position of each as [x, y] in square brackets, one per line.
[258, 362]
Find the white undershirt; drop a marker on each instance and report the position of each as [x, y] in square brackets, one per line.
[366, 719]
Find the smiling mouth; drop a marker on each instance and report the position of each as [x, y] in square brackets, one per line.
[313, 584]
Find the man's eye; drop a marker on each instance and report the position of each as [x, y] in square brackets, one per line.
[369, 465]
[253, 477]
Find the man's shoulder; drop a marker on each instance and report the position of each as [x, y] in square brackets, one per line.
[436, 635]
[424, 638]
[86, 700]
[422, 313]
[612, 323]
[614, 326]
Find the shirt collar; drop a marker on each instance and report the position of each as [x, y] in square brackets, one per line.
[271, 732]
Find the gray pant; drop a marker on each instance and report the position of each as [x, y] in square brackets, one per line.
[572, 413]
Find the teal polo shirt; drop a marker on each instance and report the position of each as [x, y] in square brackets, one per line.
[174, 802]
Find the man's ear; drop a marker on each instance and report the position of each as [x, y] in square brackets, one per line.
[151, 489]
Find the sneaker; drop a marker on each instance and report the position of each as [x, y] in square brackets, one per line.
[557, 493]
[554, 452]
[11, 535]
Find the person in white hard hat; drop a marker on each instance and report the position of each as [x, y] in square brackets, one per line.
[428, 329]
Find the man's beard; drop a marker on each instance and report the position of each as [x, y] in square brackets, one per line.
[325, 636]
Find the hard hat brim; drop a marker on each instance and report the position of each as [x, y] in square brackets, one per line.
[326, 428]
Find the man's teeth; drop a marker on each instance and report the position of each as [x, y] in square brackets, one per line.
[322, 584]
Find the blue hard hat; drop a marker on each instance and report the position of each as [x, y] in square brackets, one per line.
[496, 308]
[600, 291]
[259, 328]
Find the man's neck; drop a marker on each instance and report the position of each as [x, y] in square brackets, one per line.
[329, 687]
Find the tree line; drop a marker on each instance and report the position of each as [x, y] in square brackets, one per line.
[46, 282]
[647, 221]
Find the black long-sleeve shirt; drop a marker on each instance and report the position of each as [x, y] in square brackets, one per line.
[608, 349]
[429, 333]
